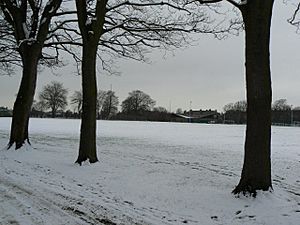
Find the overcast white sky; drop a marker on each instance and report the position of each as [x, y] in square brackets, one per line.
[210, 74]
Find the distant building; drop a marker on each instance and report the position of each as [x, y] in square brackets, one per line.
[5, 112]
[200, 116]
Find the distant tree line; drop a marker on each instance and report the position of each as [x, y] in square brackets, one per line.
[282, 113]
[139, 106]
[52, 102]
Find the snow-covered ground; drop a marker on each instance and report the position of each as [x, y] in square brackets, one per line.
[149, 173]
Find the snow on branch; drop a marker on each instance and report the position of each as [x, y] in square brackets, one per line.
[295, 20]
[237, 4]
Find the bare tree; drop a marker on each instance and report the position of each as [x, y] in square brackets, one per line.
[91, 29]
[137, 102]
[76, 99]
[282, 112]
[128, 29]
[101, 96]
[54, 97]
[39, 106]
[281, 104]
[237, 106]
[25, 27]
[236, 112]
[179, 111]
[110, 105]
[160, 109]
[241, 106]
[256, 173]
[228, 107]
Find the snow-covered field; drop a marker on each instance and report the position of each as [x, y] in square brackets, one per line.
[149, 173]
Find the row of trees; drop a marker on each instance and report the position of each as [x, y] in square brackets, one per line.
[35, 31]
[279, 105]
[53, 97]
[138, 106]
[282, 112]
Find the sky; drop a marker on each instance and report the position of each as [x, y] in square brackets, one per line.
[207, 75]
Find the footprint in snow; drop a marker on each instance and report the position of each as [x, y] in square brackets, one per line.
[128, 202]
[246, 216]
[214, 217]
[238, 212]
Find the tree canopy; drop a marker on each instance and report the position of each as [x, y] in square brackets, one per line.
[54, 97]
[281, 104]
[137, 101]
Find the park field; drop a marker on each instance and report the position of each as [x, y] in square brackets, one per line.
[148, 173]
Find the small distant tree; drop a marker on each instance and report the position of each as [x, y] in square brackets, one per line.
[101, 96]
[38, 109]
[137, 101]
[39, 106]
[296, 108]
[237, 106]
[228, 107]
[110, 105]
[76, 100]
[236, 112]
[54, 97]
[179, 111]
[69, 114]
[107, 103]
[240, 106]
[281, 112]
[160, 109]
[281, 105]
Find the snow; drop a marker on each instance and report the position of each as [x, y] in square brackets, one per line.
[52, 10]
[49, 3]
[88, 21]
[29, 41]
[43, 21]
[148, 173]
[8, 12]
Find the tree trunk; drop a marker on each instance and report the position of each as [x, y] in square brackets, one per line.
[91, 31]
[87, 146]
[53, 113]
[23, 103]
[256, 173]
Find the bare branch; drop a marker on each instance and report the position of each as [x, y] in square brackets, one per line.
[293, 20]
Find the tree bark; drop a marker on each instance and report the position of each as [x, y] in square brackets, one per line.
[91, 31]
[53, 113]
[23, 103]
[87, 145]
[256, 173]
